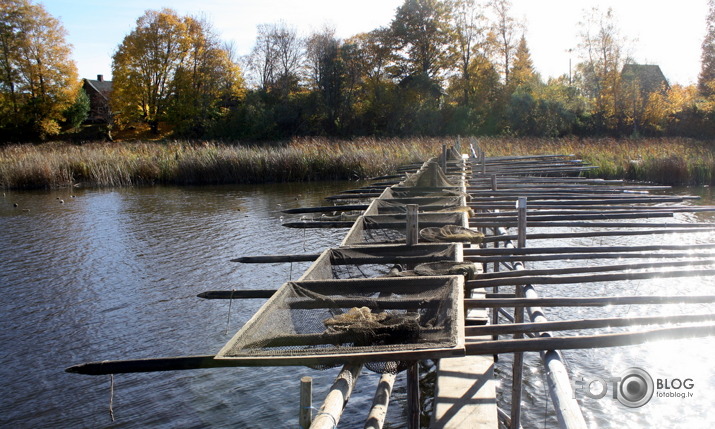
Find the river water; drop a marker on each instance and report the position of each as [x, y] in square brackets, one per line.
[113, 274]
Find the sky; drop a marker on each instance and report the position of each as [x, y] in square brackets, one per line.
[664, 33]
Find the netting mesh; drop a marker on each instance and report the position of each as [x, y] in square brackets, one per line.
[375, 261]
[352, 318]
[430, 176]
[451, 233]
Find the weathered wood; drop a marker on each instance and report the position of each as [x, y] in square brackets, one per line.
[330, 412]
[577, 256]
[583, 234]
[535, 219]
[587, 249]
[577, 224]
[587, 302]
[413, 396]
[593, 278]
[305, 415]
[587, 341]
[327, 209]
[271, 259]
[593, 269]
[237, 294]
[412, 225]
[568, 325]
[380, 402]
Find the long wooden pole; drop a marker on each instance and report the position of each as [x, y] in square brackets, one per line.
[583, 234]
[329, 414]
[518, 363]
[378, 410]
[593, 269]
[587, 341]
[592, 278]
[590, 249]
[587, 302]
[567, 325]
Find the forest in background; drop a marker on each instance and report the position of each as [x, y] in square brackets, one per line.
[441, 67]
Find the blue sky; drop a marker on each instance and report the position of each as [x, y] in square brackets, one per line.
[664, 33]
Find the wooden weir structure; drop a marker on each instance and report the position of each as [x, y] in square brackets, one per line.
[437, 241]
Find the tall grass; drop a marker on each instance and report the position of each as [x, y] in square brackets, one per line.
[52, 165]
[125, 164]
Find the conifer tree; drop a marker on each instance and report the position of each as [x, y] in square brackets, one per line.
[706, 80]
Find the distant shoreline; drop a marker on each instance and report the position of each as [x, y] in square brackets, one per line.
[669, 161]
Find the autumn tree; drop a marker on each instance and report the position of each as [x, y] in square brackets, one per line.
[144, 67]
[206, 83]
[172, 68]
[523, 74]
[706, 79]
[38, 79]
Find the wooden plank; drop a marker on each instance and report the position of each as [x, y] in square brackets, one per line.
[465, 394]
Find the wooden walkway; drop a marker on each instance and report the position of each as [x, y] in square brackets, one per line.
[512, 201]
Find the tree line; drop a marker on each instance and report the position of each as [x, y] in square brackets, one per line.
[441, 67]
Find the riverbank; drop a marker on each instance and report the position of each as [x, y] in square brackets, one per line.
[672, 161]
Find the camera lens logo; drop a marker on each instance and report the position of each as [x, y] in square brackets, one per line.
[636, 388]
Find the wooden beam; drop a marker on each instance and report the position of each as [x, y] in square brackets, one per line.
[587, 302]
[587, 341]
[567, 325]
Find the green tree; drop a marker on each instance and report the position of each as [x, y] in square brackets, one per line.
[422, 29]
[38, 79]
[78, 111]
[706, 79]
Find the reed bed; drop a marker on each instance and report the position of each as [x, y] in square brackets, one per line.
[668, 161]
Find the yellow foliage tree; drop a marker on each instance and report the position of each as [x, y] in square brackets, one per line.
[38, 79]
[172, 68]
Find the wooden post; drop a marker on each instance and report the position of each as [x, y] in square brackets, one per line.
[413, 396]
[483, 161]
[458, 145]
[494, 182]
[329, 414]
[305, 417]
[443, 159]
[521, 218]
[412, 224]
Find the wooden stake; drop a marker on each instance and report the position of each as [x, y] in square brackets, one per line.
[413, 396]
[305, 416]
[412, 224]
